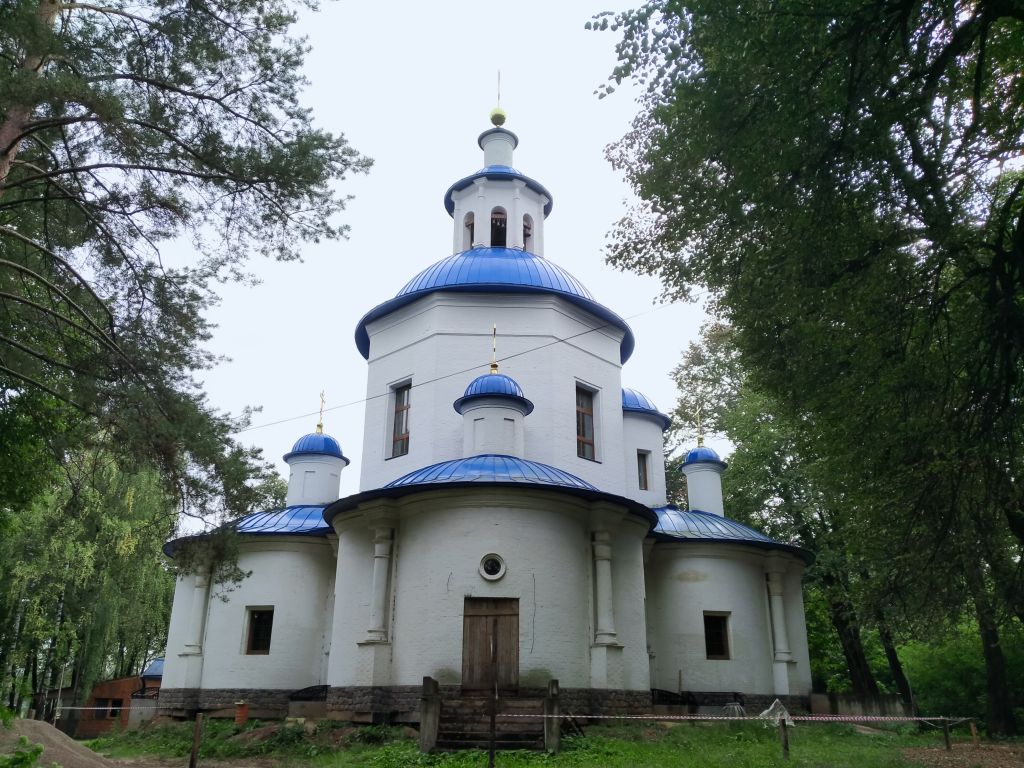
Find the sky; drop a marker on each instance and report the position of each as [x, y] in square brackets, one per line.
[412, 84]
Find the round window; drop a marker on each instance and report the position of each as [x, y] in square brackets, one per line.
[492, 566]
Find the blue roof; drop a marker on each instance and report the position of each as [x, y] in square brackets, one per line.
[154, 671]
[702, 454]
[496, 173]
[298, 520]
[494, 385]
[637, 402]
[496, 270]
[694, 525]
[316, 443]
[290, 521]
[492, 468]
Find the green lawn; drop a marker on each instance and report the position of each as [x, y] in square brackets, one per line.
[632, 745]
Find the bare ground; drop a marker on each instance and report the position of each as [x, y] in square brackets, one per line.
[969, 756]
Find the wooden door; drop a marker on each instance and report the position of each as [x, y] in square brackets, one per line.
[490, 625]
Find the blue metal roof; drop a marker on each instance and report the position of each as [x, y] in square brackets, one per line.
[702, 454]
[154, 671]
[637, 402]
[496, 270]
[298, 520]
[497, 173]
[494, 385]
[492, 468]
[290, 521]
[694, 525]
[316, 443]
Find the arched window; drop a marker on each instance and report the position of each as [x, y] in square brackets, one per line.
[527, 232]
[499, 228]
[467, 231]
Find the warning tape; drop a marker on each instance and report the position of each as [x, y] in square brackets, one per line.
[809, 718]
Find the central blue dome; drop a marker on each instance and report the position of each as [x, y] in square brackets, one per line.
[496, 270]
[494, 385]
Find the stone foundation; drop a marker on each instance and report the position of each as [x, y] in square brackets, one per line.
[401, 703]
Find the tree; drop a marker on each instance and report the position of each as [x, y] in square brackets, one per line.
[842, 178]
[122, 126]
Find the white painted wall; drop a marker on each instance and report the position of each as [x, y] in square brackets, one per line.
[452, 331]
[704, 487]
[492, 425]
[439, 541]
[179, 633]
[314, 479]
[643, 433]
[684, 580]
[293, 575]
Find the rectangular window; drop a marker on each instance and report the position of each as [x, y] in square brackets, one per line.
[585, 424]
[400, 428]
[261, 623]
[716, 635]
[101, 708]
[641, 469]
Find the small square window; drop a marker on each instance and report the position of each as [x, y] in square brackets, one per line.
[716, 635]
[261, 624]
[642, 459]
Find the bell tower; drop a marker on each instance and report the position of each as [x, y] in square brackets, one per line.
[498, 207]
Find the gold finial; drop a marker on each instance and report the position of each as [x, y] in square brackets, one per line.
[494, 349]
[320, 423]
[498, 114]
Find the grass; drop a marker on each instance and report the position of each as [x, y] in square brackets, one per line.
[627, 745]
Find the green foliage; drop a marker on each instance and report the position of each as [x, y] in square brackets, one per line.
[616, 745]
[25, 756]
[948, 672]
[843, 181]
[126, 126]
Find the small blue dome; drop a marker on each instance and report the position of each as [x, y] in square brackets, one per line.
[637, 402]
[694, 525]
[494, 385]
[316, 443]
[702, 454]
[492, 468]
[496, 173]
[496, 270]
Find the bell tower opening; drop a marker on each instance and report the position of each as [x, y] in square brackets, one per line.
[527, 232]
[468, 230]
[499, 228]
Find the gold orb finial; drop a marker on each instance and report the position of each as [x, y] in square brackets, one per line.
[498, 116]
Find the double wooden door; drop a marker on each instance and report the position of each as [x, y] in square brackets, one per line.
[490, 643]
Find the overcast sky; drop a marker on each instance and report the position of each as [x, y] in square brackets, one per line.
[411, 84]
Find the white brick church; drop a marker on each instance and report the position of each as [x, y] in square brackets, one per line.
[522, 509]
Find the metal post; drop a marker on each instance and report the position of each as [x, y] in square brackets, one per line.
[974, 733]
[784, 738]
[945, 734]
[197, 734]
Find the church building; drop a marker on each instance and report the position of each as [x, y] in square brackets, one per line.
[519, 509]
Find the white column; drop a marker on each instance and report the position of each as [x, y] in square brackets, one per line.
[783, 657]
[197, 617]
[481, 216]
[605, 633]
[378, 632]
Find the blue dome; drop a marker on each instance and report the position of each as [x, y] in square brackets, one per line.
[492, 468]
[496, 270]
[694, 525]
[494, 385]
[316, 443]
[637, 402]
[702, 454]
[496, 173]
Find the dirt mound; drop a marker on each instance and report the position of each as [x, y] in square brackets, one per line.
[57, 747]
